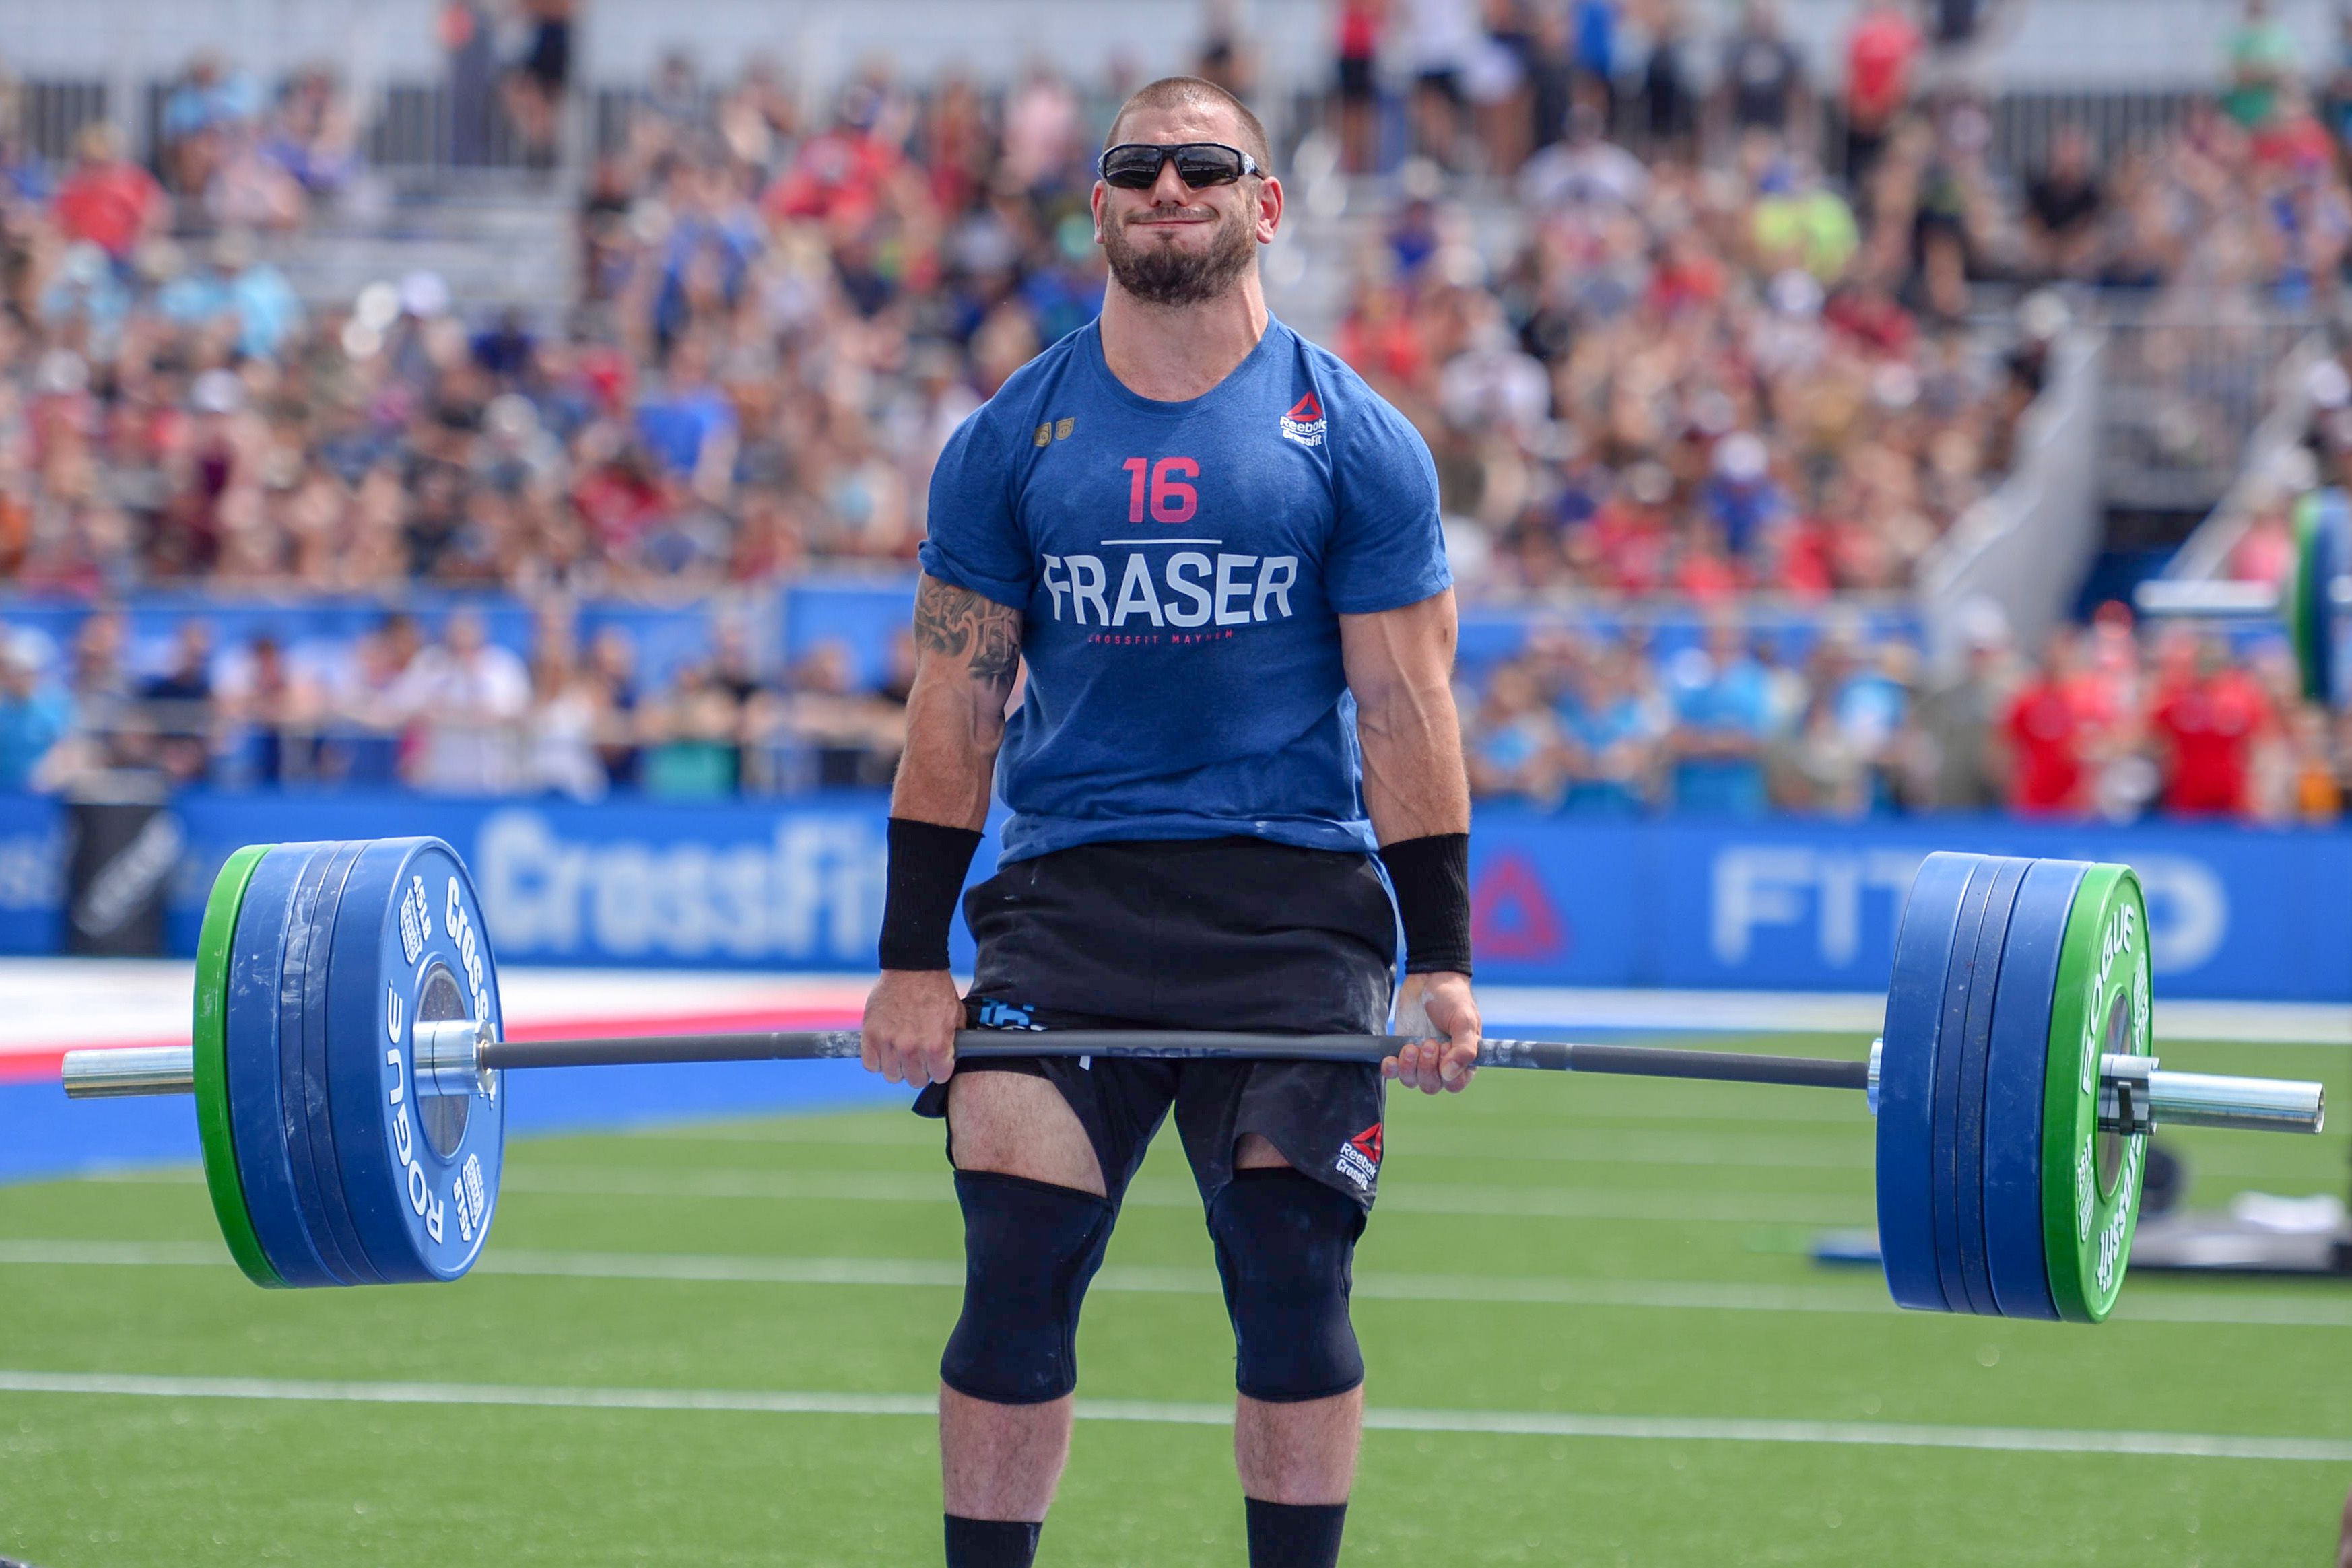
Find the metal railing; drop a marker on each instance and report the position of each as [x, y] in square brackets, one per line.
[2189, 377]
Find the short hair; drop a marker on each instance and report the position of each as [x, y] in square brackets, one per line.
[1194, 92]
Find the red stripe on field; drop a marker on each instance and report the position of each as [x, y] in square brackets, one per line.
[46, 1064]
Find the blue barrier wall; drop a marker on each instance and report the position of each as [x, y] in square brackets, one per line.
[1788, 905]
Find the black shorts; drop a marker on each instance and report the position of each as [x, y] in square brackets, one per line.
[1239, 934]
[1356, 83]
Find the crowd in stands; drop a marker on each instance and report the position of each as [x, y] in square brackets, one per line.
[2112, 723]
[454, 712]
[1754, 329]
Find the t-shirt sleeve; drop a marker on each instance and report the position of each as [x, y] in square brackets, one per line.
[1387, 550]
[973, 540]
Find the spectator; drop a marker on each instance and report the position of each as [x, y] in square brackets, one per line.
[1440, 38]
[568, 712]
[1611, 735]
[467, 698]
[464, 30]
[2206, 719]
[175, 708]
[1762, 81]
[2047, 736]
[106, 200]
[268, 718]
[2260, 59]
[250, 297]
[1513, 747]
[1721, 725]
[535, 84]
[1669, 102]
[2065, 208]
[1582, 170]
[1880, 55]
[1357, 42]
[360, 740]
[1956, 761]
[200, 117]
[34, 714]
[693, 740]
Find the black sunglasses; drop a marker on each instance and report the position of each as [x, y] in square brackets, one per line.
[1135, 165]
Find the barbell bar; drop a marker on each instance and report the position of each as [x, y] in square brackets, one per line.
[2134, 1095]
[348, 1063]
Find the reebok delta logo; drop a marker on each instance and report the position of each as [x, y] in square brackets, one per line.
[1304, 423]
[1358, 1159]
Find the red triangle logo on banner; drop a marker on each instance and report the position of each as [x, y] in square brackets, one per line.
[1306, 411]
[1511, 915]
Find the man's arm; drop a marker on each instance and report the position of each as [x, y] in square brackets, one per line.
[967, 653]
[967, 656]
[1400, 665]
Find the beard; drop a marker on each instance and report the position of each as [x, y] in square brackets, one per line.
[1168, 274]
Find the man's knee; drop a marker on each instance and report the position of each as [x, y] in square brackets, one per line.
[1030, 1249]
[1285, 1248]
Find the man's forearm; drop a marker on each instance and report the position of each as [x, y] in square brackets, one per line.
[1415, 781]
[946, 771]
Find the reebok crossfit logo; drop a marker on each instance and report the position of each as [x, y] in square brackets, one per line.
[1304, 423]
[1358, 1159]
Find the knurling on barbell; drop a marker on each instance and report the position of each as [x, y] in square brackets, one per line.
[348, 1065]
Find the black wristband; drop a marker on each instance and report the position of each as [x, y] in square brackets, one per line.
[927, 863]
[1432, 877]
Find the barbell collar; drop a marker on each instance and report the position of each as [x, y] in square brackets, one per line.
[2202, 599]
[117, 1071]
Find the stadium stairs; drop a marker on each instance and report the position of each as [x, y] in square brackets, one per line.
[496, 243]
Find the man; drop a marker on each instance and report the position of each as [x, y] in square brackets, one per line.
[1217, 552]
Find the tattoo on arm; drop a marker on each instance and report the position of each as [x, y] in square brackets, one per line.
[962, 624]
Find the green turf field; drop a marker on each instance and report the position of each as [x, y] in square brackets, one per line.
[1593, 1334]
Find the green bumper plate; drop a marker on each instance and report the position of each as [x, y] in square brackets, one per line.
[2303, 597]
[2090, 1179]
[212, 1065]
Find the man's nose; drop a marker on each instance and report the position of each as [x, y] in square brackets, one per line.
[1170, 186]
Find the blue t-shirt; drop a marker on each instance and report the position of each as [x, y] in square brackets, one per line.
[1180, 568]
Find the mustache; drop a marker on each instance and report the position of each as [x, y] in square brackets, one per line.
[1160, 215]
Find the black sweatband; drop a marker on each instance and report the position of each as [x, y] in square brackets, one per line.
[1432, 878]
[927, 863]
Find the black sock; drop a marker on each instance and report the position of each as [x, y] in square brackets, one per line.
[1295, 1535]
[991, 1543]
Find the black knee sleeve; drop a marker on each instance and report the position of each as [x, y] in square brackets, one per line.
[1030, 1248]
[1286, 1248]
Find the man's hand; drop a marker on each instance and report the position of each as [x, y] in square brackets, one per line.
[912, 1019]
[1439, 1010]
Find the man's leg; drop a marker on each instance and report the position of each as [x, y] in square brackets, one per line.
[1296, 1457]
[1000, 1461]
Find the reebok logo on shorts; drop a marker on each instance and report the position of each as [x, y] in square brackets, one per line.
[1359, 1157]
[1304, 423]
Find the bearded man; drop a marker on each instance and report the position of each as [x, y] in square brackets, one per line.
[1217, 551]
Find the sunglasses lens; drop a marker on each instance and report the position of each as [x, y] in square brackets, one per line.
[1205, 164]
[1132, 168]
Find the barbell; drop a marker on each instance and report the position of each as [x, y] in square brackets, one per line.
[2305, 603]
[347, 1061]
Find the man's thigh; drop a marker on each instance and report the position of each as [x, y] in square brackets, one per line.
[1016, 1123]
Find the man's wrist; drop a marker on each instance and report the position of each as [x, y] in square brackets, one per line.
[1430, 876]
[928, 865]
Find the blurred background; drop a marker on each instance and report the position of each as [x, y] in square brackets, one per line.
[512, 418]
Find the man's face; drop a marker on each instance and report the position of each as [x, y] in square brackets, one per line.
[1174, 245]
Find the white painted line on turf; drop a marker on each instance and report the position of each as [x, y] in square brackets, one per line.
[1420, 1197]
[1497, 1423]
[1647, 1295]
